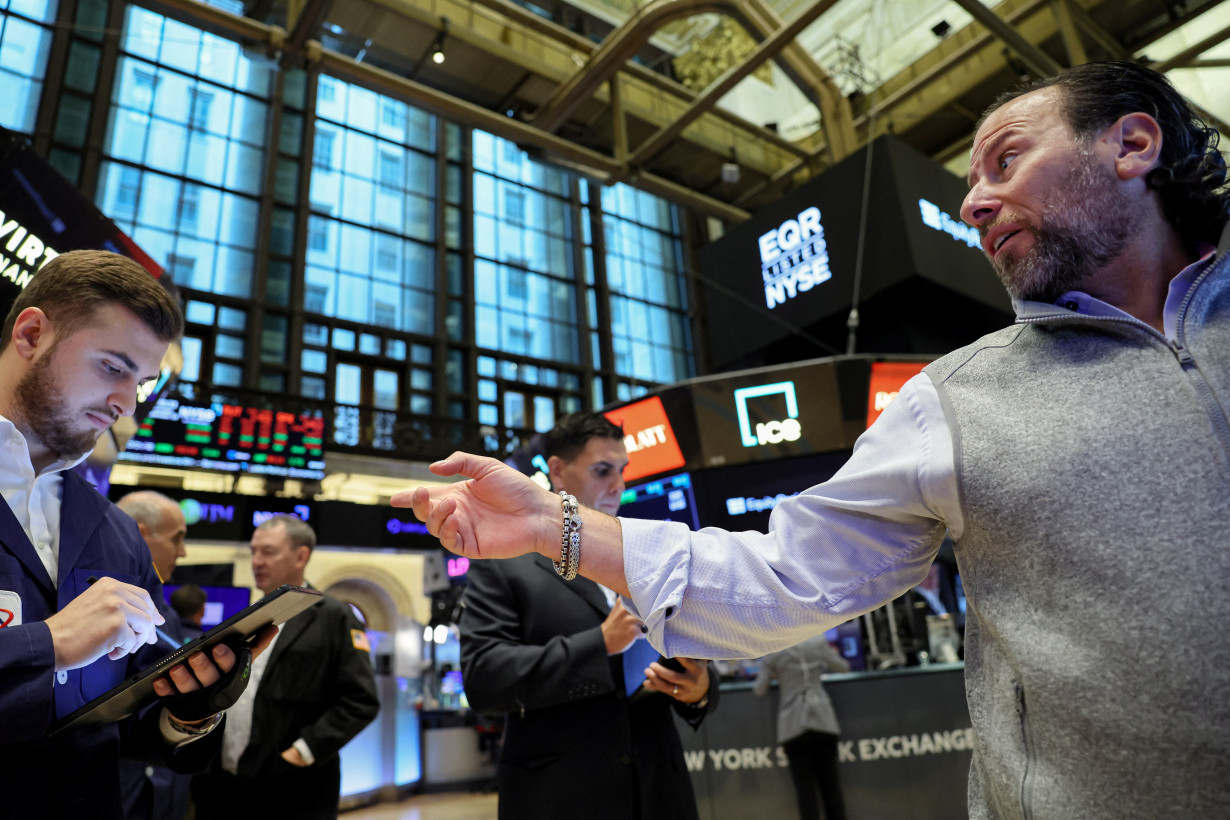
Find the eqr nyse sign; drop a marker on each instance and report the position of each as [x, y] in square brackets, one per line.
[793, 257]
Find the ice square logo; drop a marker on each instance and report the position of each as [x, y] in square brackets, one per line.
[769, 432]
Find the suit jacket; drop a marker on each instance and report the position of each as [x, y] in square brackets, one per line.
[318, 685]
[75, 773]
[804, 705]
[531, 647]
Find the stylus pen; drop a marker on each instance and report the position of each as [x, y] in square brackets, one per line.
[167, 638]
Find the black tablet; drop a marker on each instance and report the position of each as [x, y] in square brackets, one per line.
[277, 607]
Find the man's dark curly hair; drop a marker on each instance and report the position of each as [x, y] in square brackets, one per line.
[1191, 177]
[572, 432]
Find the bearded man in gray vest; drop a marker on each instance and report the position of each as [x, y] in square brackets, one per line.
[1080, 460]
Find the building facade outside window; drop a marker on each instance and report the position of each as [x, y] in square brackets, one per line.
[25, 40]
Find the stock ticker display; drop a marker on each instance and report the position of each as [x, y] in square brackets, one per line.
[231, 438]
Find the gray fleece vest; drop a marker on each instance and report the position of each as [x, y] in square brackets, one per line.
[1094, 466]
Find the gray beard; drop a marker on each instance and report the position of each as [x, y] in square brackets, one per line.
[1078, 236]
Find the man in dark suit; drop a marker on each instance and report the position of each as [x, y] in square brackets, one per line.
[316, 691]
[563, 660]
[77, 586]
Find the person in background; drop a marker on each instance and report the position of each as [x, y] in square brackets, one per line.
[189, 604]
[1080, 459]
[589, 729]
[162, 525]
[77, 586]
[806, 724]
[310, 695]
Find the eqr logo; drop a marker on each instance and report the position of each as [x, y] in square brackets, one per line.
[768, 432]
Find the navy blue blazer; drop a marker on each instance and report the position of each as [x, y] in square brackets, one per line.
[74, 774]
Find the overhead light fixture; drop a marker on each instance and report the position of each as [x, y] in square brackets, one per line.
[437, 45]
[730, 170]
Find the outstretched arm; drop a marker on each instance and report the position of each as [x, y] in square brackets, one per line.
[500, 513]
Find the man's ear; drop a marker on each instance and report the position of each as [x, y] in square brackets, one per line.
[144, 530]
[555, 471]
[1137, 142]
[31, 330]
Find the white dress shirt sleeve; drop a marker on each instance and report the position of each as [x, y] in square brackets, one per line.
[833, 552]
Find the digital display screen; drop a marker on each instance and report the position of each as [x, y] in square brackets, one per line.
[220, 602]
[43, 215]
[742, 498]
[779, 287]
[665, 499]
[648, 438]
[231, 438]
[887, 379]
[781, 412]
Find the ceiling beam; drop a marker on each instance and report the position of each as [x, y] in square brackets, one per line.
[626, 40]
[1191, 52]
[304, 26]
[1038, 61]
[766, 50]
[941, 67]
[615, 51]
[640, 72]
[1109, 43]
[1062, 9]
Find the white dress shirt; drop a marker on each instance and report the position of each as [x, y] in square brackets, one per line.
[238, 729]
[34, 499]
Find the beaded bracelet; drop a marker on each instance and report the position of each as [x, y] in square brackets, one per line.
[570, 538]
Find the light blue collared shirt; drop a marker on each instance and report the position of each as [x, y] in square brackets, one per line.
[834, 551]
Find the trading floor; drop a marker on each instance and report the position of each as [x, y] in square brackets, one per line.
[450, 806]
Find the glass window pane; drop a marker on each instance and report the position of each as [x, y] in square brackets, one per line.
[347, 384]
[314, 361]
[514, 410]
[232, 319]
[544, 414]
[229, 347]
[192, 359]
[385, 390]
[343, 339]
[315, 334]
[201, 313]
[193, 105]
[312, 387]
[227, 375]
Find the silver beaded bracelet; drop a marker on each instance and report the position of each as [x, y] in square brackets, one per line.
[570, 538]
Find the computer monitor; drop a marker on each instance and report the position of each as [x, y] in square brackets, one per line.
[220, 602]
[669, 498]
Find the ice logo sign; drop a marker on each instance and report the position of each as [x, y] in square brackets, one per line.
[793, 257]
[933, 217]
[769, 432]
